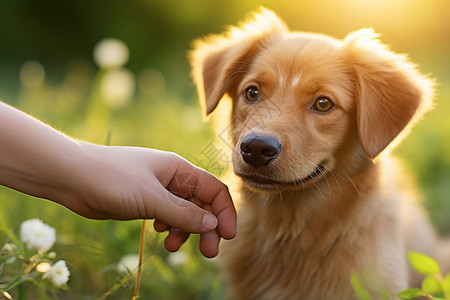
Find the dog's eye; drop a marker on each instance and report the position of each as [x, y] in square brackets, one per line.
[323, 104]
[252, 94]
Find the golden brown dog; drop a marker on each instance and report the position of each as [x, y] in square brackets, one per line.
[309, 116]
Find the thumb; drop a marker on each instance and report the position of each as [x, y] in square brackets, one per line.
[185, 215]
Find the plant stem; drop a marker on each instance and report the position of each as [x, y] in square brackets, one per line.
[141, 254]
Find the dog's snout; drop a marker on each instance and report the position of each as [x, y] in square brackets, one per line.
[259, 150]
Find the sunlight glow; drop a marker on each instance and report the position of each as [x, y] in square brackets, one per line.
[404, 22]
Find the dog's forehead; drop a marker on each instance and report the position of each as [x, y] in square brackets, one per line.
[306, 64]
[305, 68]
[301, 54]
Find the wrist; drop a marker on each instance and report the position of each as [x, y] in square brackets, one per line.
[73, 176]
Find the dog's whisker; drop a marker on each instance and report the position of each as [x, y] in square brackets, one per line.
[292, 193]
[242, 62]
[338, 184]
[330, 188]
[339, 200]
[280, 194]
[318, 189]
[268, 199]
[312, 170]
[352, 182]
[332, 173]
[236, 72]
[239, 71]
[297, 175]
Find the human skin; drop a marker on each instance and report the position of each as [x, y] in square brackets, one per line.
[115, 182]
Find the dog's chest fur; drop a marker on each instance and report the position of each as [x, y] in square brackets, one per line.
[292, 246]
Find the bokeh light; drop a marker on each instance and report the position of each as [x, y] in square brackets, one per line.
[32, 74]
[111, 53]
[117, 87]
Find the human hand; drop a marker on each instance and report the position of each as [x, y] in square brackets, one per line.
[109, 182]
[129, 183]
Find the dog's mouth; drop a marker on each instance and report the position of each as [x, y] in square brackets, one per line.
[264, 183]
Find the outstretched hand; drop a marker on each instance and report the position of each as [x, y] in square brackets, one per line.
[112, 182]
[130, 183]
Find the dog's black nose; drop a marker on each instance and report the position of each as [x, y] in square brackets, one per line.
[259, 150]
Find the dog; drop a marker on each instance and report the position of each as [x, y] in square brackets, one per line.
[312, 121]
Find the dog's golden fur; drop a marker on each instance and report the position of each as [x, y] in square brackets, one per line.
[322, 208]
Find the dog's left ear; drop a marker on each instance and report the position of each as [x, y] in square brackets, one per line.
[390, 92]
[218, 60]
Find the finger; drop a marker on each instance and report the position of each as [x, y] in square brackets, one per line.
[192, 182]
[160, 226]
[225, 228]
[175, 239]
[225, 213]
[176, 212]
[209, 244]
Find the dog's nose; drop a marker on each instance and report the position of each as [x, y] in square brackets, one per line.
[259, 150]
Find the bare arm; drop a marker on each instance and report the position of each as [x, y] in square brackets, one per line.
[112, 182]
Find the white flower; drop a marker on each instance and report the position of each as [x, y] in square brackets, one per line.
[128, 263]
[177, 258]
[58, 274]
[9, 247]
[111, 53]
[36, 235]
[117, 87]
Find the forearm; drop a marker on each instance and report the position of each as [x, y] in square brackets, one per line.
[34, 157]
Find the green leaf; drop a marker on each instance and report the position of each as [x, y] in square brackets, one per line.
[446, 286]
[411, 293]
[423, 263]
[360, 291]
[431, 285]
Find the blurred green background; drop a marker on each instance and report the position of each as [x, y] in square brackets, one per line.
[47, 69]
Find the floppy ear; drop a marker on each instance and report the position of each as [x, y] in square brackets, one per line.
[390, 93]
[217, 59]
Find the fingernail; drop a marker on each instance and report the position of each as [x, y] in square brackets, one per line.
[209, 222]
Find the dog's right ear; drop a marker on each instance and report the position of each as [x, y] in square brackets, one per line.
[391, 93]
[217, 59]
